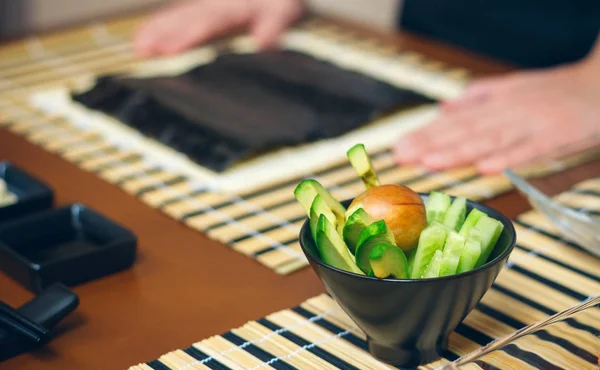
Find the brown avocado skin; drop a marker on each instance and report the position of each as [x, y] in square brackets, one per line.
[401, 208]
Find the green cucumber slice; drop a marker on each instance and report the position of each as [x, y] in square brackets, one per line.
[470, 221]
[320, 207]
[355, 224]
[453, 249]
[455, 216]
[490, 230]
[372, 235]
[433, 269]
[388, 260]
[436, 206]
[332, 249]
[306, 192]
[471, 252]
[359, 159]
[432, 239]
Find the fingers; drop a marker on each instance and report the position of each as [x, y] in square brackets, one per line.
[189, 23]
[267, 29]
[482, 89]
[526, 151]
[538, 145]
[449, 128]
[148, 36]
[271, 22]
[194, 30]
[192, 22]
[475, 92]
[469, 149]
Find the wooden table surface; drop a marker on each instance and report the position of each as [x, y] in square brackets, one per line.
[183, 287]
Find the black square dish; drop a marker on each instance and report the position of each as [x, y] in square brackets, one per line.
[70, 245]
[32, 195]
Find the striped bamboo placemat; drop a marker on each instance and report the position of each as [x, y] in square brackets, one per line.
[263, 223]
[544, 276]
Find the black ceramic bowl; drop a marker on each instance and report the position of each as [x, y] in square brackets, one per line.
[407, 322]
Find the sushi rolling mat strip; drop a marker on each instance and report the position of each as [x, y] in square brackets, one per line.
[262, 223]
[544, 276]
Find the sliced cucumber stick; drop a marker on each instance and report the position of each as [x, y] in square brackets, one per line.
[470, 221]
[388, 260]
[332, 249]
[306, 192]
[455, 216]
[490, 230]
[431, 240]
[320, 207]
[471, 252]
[436, 206]
[433, 269]
[355, 224]
[359, 159]
[453, 249]
[372, 235]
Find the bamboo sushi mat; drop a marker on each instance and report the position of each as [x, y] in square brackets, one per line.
[262, 224]
[544, 276]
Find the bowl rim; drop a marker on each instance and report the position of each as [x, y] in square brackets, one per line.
[508, 226]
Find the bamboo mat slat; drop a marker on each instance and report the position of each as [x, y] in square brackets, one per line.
[545, 276]
[262, 224]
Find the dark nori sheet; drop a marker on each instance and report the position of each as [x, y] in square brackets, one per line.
[243, 104]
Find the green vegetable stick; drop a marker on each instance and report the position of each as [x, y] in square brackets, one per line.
[471, 252]
[436, 206]
[359, 159]
[471, 220]
[490, 230]
[455, 216]
[453, 249]
[355, 224]
[430, 240]
[433, 269]
[388, 260]
[320, 207]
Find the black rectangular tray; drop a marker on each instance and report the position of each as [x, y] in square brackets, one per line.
[32, 194]
[70, 245]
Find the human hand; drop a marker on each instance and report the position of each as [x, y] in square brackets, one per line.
[185, 24]
[505, 121]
